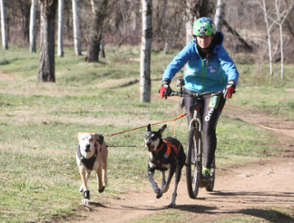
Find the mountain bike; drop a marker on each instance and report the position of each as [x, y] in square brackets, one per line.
[194, 158]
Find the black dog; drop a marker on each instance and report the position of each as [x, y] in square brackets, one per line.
[164, 154]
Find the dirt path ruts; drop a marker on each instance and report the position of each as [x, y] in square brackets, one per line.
[245, 190]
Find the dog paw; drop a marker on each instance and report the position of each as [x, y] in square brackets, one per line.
[85, 202]
[158, 194]
[165, 189]
[101, 190]
[87, 195]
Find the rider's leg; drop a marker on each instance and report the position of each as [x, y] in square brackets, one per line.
[212, 109]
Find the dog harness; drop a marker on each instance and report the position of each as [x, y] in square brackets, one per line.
[89, 163]
[169, 148]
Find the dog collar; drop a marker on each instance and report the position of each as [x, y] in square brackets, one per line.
[160, 147]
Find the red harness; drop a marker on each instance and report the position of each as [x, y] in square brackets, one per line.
[169, 148]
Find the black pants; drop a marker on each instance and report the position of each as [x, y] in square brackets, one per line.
[212, 107]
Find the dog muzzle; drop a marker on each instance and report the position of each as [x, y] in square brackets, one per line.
[150, 147]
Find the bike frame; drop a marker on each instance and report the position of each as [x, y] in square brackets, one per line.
[194, 157]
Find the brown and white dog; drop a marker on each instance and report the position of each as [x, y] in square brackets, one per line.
[92, 156]
[164, 154]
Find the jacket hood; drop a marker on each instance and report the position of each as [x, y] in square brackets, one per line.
[218, 39]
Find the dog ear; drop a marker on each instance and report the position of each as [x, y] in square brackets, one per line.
[149, 128]
[81, 135]
[100, 139]
[162, 129]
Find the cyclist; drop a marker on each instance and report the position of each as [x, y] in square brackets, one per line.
[209, 69]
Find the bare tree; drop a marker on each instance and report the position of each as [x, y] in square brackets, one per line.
[219, 14]
[190, 17]
[281, 10]
[47, 40]
[33, 26]
[76, 27]
[263, 5]
[99, 10]
[200, 8]
[281, 15]
[60, 28]
[3, 25]
[145, 77]
[195, 9]
[24, 18]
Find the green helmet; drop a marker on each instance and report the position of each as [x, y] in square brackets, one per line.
[203, 27]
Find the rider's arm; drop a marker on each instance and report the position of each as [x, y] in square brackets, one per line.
[228, 65]
[178, 62]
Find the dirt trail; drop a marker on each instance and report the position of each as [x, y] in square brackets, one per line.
[245, 190]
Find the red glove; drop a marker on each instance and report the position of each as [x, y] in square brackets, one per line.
[230, 89]
[164, 90]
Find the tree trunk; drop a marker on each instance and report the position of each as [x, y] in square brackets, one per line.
[33, 26]
[281, 16]
[3, 25]
[145, 77]
[282, 50]
[190, 17]
[99, 10]
[203, 8]
[219, 15]
[25, 18]
[268, 33]
[194, 9]
[47, 40]
[102, 48]
[76, 27]
[280, 23]
[60, 51]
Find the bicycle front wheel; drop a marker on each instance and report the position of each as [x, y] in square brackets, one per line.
[194, 159]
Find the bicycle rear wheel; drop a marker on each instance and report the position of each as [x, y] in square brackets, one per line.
[194, 160]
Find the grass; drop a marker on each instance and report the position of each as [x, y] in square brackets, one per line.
[39, 123]
[259, 91]
[274, 101]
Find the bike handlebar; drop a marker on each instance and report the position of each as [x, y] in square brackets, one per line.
[195, 94]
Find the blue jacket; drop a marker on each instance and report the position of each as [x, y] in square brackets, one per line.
[200, 75]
